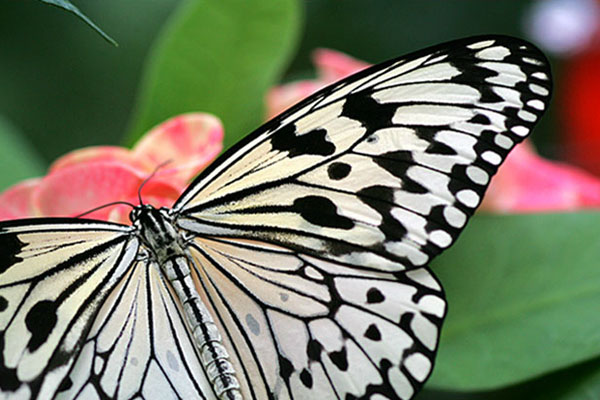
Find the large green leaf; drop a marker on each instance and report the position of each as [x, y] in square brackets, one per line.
[581, 382]
[67, 5]
[217, 56]
[523, 294]
[19, 160]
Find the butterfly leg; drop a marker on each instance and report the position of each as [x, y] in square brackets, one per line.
[213, 354]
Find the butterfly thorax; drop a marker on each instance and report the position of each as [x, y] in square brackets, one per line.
[157, 232]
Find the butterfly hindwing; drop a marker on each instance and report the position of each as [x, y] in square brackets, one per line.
[138, 346]
[299, 327]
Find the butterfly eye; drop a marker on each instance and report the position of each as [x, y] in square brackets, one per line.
[134, 214]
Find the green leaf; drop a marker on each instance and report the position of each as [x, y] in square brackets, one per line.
[523, 296]
[19, 160]
[217, 56]
[67, 5]
[581, 382]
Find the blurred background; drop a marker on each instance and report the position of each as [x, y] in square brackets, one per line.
[63, 87]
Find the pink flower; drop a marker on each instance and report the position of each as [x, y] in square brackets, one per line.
[90, 177]
[525, 183]
[331, 66]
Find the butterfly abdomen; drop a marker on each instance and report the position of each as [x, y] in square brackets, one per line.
[207, 338]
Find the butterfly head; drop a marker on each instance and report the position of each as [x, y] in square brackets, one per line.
[156, 231]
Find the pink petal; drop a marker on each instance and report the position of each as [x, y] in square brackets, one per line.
[189, 142]
[15, 202]
[99, 153]
[73, 190]
[528, 183]
[333, 65]
[280, 98]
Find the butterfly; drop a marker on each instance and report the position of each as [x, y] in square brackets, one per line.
[295, 266]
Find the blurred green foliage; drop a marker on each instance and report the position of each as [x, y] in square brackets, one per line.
[70, 7]
[63, 86]
[19, 159]
[250, 43]
[522, 290]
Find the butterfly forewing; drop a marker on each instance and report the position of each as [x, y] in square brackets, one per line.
[80, 318]
[385, 174]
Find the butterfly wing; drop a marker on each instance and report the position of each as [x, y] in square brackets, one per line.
[54, 275]
[81, 317]
[138, 346]
[353, 191]
[383, 169]
[301, 327]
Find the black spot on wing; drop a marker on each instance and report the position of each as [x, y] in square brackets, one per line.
[373, 333]
[397, 164]
[321, 211]
[374, 296]
[381, 199]
[310, 143]
[3, 303]
[65, 385]
[371, 114]
[338, 170]
[10, 246]
[429, 134]
[40, 321]
[313, 350]
[340, 359]
[306, 378]
[286, 369]
[9, 382]
[480, 119]
[405, 322]
[440, 148]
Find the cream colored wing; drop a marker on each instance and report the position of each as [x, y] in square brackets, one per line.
[383, 169]
[298, 327]
[313, 234]
[54, 276]
[139, 346]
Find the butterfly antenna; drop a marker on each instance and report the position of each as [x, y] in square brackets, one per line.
[159, 166]
[114, 203]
